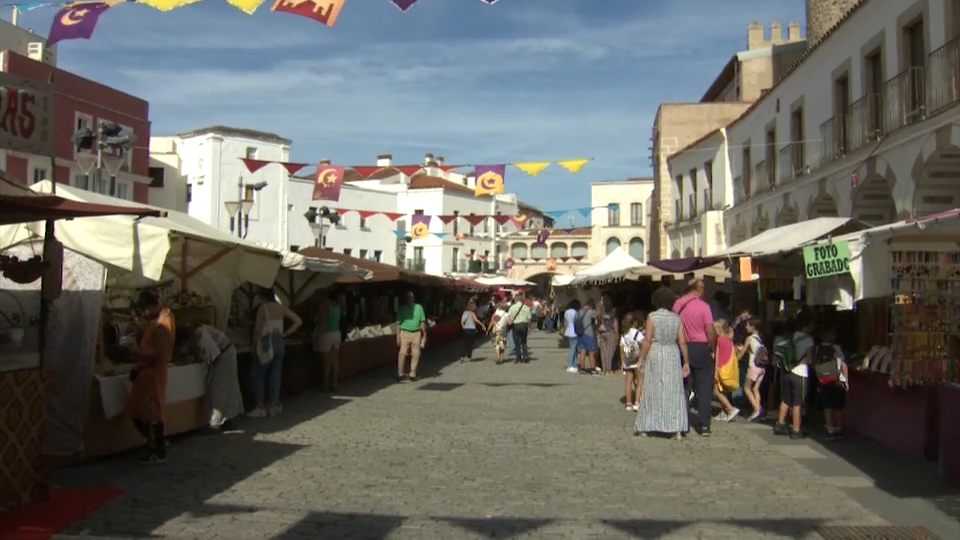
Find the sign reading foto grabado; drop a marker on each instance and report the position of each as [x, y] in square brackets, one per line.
[824, 260]
[26, 109]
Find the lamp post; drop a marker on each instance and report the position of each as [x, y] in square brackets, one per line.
[320, 221]
[239, 212]
[109, 136]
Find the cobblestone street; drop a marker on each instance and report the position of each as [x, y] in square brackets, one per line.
[471, 451]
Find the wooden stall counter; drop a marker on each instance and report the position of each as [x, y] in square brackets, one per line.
[950, 433]
[905, 420]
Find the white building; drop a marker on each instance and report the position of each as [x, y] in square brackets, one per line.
[202, 173]
[865, 124]
[620, 217]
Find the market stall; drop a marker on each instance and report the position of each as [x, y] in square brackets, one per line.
[31, 273]
[907, 275]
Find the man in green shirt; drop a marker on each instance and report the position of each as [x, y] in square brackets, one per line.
[411, 336]
[520, 316]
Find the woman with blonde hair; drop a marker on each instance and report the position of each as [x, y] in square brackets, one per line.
[727, 372]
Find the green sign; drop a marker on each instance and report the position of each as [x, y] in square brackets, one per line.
[824, 260]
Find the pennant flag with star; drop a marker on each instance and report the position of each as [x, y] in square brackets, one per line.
[77, 21]
[574, 165]
[490, 179]
[419, 226]
[167, 5]
[533, 168]
[323, 11]
[246, 6]
[326, 187]
[404, 5]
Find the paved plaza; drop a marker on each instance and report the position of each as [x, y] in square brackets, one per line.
[512, 451]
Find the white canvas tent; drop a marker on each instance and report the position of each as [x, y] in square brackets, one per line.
[786, 238]
[502, 281]
[617, 265]
[300, 276]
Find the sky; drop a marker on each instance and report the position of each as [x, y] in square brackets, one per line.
[519, 81]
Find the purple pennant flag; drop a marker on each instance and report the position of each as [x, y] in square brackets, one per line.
[76, 21]
[419, 226]
[405, 5]
[542, 236]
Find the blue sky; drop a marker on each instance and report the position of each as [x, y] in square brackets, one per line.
[523, 80]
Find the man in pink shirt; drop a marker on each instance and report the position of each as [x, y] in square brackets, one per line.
[697, 319]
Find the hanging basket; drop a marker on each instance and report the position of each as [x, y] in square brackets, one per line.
[22, 272]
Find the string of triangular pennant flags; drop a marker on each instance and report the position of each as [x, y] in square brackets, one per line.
[78, 20]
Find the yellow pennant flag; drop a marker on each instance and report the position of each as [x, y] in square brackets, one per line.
[246, 6]
[533, 168]
[167, 5]
[489, 179]
[574, 165]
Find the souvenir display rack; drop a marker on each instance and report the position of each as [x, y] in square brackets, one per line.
[925, 317]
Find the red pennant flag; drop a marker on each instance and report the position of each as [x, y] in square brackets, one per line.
[448, 168]
[564, 259]
[366, 171]
[482, 257]
[446, 219]
[474, 220]
[408, 170]
[323, 11]
[327, 185]
[294, 168]
[393, 216]
[502, 220]
[578, 259]
[366, 214]
[254, 165]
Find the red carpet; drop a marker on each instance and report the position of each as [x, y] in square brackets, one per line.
[40, 521]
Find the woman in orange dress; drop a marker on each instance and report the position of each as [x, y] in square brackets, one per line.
[148, 397]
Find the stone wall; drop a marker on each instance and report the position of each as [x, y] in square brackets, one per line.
[822, 15]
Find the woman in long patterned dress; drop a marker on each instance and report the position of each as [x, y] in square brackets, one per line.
[663, 408]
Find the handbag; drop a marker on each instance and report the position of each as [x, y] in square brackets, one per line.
[265, 348]
[729, 374]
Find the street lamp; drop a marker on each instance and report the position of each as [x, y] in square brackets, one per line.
[239, 224]
[320, 221]
[109, 136]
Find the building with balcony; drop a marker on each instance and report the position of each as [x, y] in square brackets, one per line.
[77, 102]
[566, 252]
[865, 124]
[744, 79]
[620, 217]
[702, 188]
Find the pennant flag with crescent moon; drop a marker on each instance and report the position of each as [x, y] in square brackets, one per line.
[542, 236]
[246, 6]
[419, 226]
[533, 168]
[76, 21]
[323, 11]
[519, 221]
[490, 179]
[574, 165]
[327, 185]
[167, 5]
[404, 5]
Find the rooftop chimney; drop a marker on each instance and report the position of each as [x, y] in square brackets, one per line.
[755, 36]
[427, 158]
[431, 163]
[439, 160]
[385, 160]
[793, 32]
[776, 33]
[325, 162]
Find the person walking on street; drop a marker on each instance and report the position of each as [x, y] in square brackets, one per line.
[520, 317]
[588, 338]
[571, 318]
[411, 336]
[701, 337]
[469, 323]
[498, 325]
[609, 329]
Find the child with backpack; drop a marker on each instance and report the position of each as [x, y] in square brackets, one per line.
[830, 367]
[632, 366]
[727, 372]
[793, 357]
[757, 361]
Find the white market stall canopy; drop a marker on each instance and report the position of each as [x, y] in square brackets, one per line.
[502, 281]
[562, 280]
[301, 275]
[618, 264]
[788, 238]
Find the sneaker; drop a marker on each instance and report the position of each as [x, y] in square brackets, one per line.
[797, 435]
[274, 411]
[781, 429]
[732, 415]
[705, 432]
[597, 370]
[722, 417]
[153, 459]
[628, 408]
[635, 408]
[414, 378]
[259, 412]
[572, 370]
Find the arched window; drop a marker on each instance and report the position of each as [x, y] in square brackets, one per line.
[612, 245]
[558, 250]
[538, 252]
[580, 249]
[636, 249]
[518, 251]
